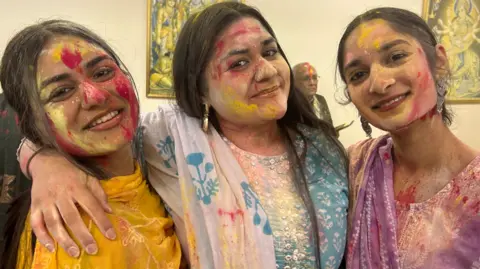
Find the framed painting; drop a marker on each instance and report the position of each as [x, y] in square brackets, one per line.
[455, 23]
[165, 20]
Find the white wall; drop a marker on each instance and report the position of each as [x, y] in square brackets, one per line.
[308, 30]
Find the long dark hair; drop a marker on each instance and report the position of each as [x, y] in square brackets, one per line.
[18, 77]
[404, 22]
[194, 50]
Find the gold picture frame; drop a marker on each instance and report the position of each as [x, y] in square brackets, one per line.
[455, 24]
[165, 20]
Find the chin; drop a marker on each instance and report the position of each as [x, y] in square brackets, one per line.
[272, 112]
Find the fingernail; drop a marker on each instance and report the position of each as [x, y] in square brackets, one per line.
[74, 252]
[92, 249]
[109, 209]
[50, 247]
[111, 234]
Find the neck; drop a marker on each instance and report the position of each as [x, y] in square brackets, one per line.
[263, 139]
[118, 163]
[428, 144]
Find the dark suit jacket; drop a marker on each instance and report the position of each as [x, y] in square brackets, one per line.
[322, 112]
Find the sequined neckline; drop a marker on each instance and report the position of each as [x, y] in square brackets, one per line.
[269, 159]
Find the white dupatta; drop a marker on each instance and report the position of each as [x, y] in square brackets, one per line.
[201, 181]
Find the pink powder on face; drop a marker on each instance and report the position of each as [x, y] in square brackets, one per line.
[90, 92]
[125, 90]
[68, 146]
[71, 58]
[127, 132]
[242, 29]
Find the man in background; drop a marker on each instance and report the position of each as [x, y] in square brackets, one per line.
[12, 181]
[306, 80]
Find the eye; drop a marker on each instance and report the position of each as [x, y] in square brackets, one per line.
[355, 77]
[61, 93]
[270, 53]
[238, 64]
[397, 56]
[103, 74]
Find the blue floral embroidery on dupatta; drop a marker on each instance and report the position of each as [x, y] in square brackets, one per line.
[167, 149]
[251, 201]
[206, 187]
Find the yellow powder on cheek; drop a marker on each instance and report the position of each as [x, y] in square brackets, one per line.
[237, 106]
[57, 116]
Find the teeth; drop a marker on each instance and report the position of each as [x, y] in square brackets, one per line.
[393, 101]
[105, 118]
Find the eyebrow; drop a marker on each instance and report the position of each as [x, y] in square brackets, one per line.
[95, 61]
[265, 42]
[392, 44]
[383, 48]
[65, 76]
[54, 79]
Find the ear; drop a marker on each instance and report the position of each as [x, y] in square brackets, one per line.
[441, 63]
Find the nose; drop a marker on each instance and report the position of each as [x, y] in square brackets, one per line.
[93, 95]
[264, 71]
[381, 79]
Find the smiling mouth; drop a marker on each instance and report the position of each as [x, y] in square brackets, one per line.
[390, 103]
[265, 92]
[104, 118]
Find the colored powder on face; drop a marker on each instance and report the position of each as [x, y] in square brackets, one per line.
[241, 30]
[127, 132]
[125, 90]
[309, 69]
[91, 92]
[17, 121]
[364, 33]
[424, 82]
[376, 43]
[220, 47]
[68, 146]
[71, 58]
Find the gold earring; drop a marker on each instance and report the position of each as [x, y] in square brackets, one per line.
[205, 118]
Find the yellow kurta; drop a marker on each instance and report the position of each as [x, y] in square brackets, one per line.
[145, 234]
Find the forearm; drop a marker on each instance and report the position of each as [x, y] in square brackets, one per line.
[29, 157]
[25, 151]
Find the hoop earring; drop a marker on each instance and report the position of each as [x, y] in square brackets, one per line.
[441, 92]
[205, 117]
[366, 127]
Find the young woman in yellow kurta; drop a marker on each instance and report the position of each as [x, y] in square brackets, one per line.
[73, 94]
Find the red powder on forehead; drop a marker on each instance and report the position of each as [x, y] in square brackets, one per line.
[419, 74]
[241, 30]
[309, 70]
[71, 58]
